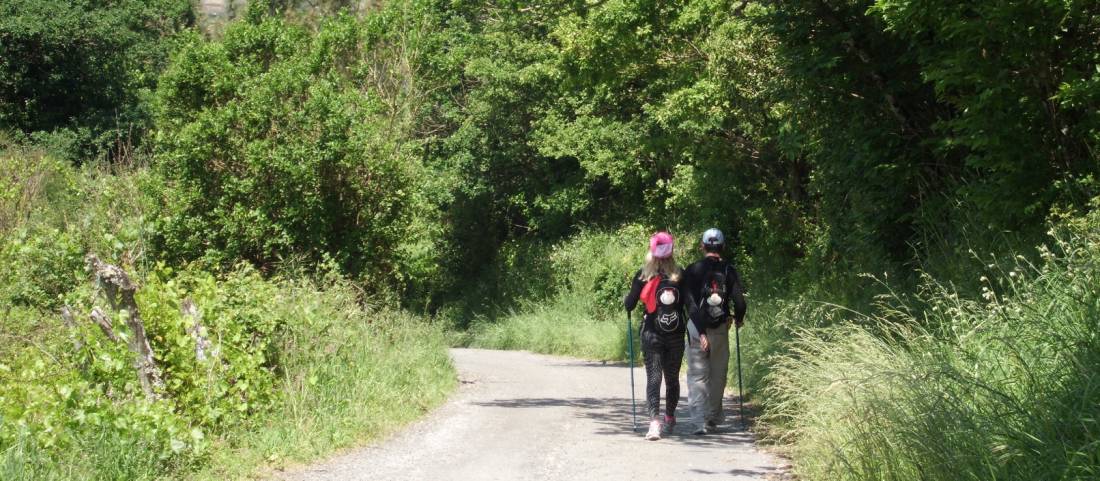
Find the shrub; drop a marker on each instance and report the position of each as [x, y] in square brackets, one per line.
[273, 147]
[51, 214]
[28, 180]
[83, 66]
[77, 412]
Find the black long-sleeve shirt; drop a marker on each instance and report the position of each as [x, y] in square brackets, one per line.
[694, 276]
[668, 319]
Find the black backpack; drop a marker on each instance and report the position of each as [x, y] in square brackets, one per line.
[715, 282]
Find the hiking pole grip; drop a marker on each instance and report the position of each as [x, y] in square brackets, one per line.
[630, 342]
[740, 392]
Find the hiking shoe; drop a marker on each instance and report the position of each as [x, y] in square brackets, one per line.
[670, 422]
[699, 431]
[710, 427]
[654, 431]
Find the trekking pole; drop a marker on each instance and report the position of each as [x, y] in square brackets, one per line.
[630, 340]
[740, 392]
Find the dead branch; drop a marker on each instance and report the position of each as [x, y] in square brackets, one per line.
[102, 320]
[119, 290]
[202, 343]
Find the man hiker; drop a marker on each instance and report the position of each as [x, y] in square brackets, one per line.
[712, 285]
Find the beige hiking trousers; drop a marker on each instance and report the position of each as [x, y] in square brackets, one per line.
[706, 374]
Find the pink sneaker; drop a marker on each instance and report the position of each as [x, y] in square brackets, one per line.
[670, 422]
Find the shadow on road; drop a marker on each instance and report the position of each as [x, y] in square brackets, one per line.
[612, 418]
[761, 471]
[590, 364]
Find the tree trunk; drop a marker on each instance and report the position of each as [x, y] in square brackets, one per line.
[119, 290]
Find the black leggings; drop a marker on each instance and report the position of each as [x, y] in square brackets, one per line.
[663, 354]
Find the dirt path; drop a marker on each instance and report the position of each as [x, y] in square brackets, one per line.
[522, 416]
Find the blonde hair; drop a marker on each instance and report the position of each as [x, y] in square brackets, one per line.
[654, 266]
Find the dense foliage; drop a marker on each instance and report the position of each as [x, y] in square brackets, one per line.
[830, 138]
[71, 406]
[497, 165]
[274, 144]
[83, 70]
[824, 134]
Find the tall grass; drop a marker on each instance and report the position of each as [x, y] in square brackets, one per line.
[565, 325]
[572, 304]
[104, 455]
[351, 375]
[937, 386]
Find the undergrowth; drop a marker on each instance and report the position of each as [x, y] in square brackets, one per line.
[328, 373]
[563, 298]
[293, 367]
[942, 386]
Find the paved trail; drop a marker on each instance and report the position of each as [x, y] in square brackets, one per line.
[522, 416]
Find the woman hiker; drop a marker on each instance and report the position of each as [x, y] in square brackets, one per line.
[658, 285]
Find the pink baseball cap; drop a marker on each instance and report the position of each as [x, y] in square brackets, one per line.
[660, 245]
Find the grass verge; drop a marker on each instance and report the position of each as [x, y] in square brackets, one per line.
[358, 384]
[1003, 386]
[563, 328]
[334, 374]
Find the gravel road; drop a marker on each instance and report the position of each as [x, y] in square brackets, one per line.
[523, 416]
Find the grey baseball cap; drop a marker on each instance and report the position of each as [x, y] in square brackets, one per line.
[713, 237]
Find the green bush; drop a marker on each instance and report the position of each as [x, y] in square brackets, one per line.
[271, 148]
[78, 412]
[84, 66]
[70, 403]
[29, 181]
[52, 214]
[235, 378]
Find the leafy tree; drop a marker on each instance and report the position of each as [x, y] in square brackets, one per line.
[274, 145]
[1021, 84]
[817, 132]
[84, 65]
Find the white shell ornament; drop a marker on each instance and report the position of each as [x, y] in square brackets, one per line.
[668, 297]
